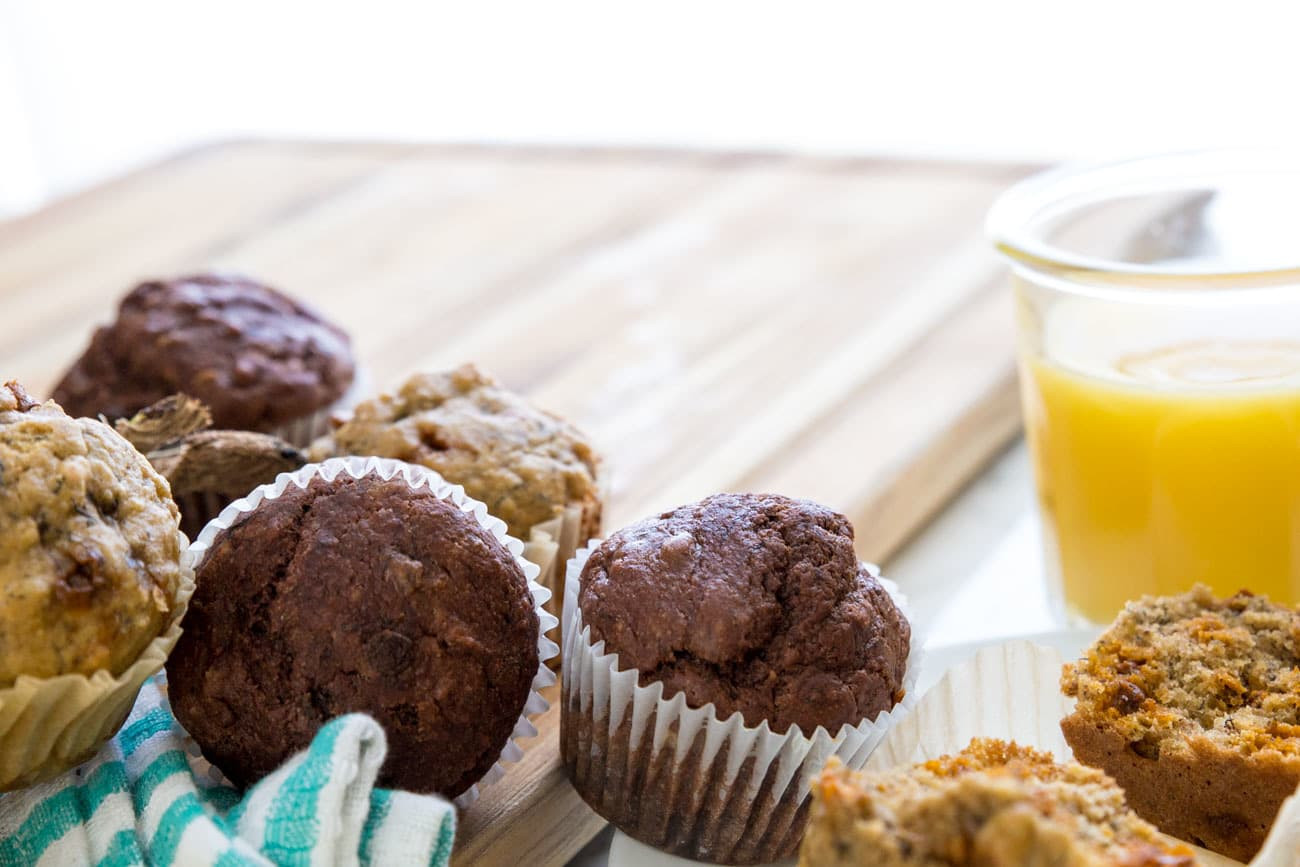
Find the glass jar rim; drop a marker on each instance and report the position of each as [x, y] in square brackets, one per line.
[1021, 210]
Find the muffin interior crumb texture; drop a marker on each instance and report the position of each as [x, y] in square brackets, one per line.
[357, 595]
[995, 804]
[89, 548]
[525, 464]
[256, 357]
[1185, 666]
[754, 602]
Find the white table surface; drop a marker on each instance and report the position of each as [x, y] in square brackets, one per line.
[974, 574]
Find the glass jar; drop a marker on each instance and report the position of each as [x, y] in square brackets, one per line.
[1159, 317]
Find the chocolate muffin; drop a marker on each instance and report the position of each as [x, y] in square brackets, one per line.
[738, 642]
[89, 548]
[357, 594]
[756, 603]
[258, 359]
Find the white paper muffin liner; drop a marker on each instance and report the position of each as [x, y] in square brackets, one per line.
[301, 432]
[682, 779]
[420, 478]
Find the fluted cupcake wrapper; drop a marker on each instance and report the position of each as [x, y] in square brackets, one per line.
[303, 431]
[553, 543]
[51, 724]
[420, 478]
[681, 778]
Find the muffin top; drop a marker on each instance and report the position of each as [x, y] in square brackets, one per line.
[257, 358]
[755, 602]
[357, 595]
[525, 464]
[89, 551]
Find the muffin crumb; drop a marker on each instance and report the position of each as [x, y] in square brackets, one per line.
[14, 397]
[1193, 704]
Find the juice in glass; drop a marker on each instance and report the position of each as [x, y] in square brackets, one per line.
[1159, 314]
[1181, 466]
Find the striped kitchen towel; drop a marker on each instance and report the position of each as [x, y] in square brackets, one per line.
[148, 798]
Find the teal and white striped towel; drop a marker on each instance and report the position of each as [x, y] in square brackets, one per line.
[145, 799]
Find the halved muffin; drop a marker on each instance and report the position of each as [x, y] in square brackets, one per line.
[1192, 704]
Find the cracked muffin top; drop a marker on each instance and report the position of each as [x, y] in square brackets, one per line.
[255, 357]
[754, 602]
[357, 595]
[89, 545]
[527, 465]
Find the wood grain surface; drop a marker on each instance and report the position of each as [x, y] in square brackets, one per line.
[835, 329]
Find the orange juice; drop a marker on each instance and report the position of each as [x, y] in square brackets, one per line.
[1165, 466]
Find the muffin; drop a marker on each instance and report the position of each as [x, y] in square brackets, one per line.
[206, 469]
[359, 586]
[995, 804]
[93, 583]
[1192, 704]
[532, 469]
[715, 656]
[258, 359]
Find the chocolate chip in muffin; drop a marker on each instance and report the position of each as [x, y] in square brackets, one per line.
[255, 357]
[754, 602]
[357, 595]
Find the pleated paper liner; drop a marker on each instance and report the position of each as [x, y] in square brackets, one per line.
[1012, 691]
[680, 778]
[551, 544]
[421, 478]
[49, 725]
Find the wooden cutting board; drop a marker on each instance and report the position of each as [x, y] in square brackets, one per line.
[829, 328]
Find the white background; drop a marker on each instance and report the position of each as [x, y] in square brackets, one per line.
[88, 88]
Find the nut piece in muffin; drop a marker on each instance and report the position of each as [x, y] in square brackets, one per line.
[756, 603]
[1192, 704]
[527, 465]
[994, 804]
[366, 595]
[257, 358]
[738, 641]
[89, 545]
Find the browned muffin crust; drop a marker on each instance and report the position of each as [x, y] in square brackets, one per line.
[89, 550]
[755, 602]
[357, 595]
[1192, 704]
[994, 804]
[257, 358]
[525, 464]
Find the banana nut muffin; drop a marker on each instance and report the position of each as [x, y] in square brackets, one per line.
[89, 548]
[754, 602]
[361, 595]
[1192, 704]
[994, 804]
[527, 465]
[256, 357]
